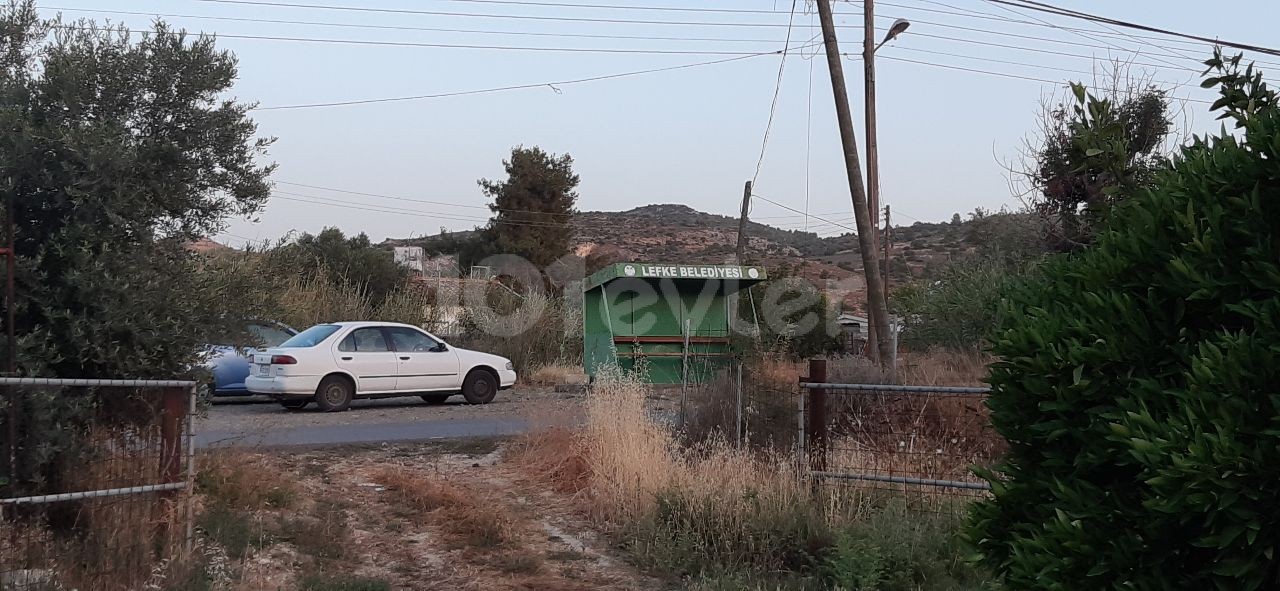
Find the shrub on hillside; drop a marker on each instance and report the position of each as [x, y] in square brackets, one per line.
[1136, 382]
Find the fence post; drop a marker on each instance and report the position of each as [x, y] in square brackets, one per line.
[738, 423]
[817, 430]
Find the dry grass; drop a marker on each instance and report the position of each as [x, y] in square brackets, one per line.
[243, 480]
[557, 454]
[459, 510]
[712, 509]
[554, 373]
[944, 367]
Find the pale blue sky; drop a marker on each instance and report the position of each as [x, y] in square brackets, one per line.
[687, 136]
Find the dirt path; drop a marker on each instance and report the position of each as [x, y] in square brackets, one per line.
[423, 516]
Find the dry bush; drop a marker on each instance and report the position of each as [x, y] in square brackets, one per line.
[554, 373]
[419, 492]
[460, 511]
[631, 457]
[531, 330]
[944, 367]
[243, 480]
[315, 299]
[556, 454]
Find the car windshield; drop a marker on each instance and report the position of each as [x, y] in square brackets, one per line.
[311, 337]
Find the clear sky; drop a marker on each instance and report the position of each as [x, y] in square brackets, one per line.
[688, 136]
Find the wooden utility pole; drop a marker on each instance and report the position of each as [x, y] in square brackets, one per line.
[879, 316]
[742, 223]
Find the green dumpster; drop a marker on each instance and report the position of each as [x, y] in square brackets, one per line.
[670, 321]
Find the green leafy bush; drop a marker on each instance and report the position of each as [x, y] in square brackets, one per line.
[1137, 382]
[958, 308]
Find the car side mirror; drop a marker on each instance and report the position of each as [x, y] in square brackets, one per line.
[440, 348]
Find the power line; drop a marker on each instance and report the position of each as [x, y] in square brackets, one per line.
[484, 15]
[403, 27]
[571, 35]
[597, 36]
[1004, 74]
[777, 88]
[435, 45]
[1051, 9]
[615, 20]
[789, 208]
[1036, 49]
[1080, 34]
[536, 33]
[551, 85]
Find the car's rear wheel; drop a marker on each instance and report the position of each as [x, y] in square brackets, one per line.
[334, 394]
[435, 398]
[480, 387]
[295, 404]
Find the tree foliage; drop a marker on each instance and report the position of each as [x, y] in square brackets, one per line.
[1137, 381]
[1096, 149]
[353, 262]
[957, 308]
[116, 154]
[532, 208]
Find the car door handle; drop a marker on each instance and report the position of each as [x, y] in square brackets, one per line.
[347, 358]
[405, 358]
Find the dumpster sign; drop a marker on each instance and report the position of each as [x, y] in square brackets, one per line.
[690, 271]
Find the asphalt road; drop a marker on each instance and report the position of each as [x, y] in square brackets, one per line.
[259, 423]
[319, 435]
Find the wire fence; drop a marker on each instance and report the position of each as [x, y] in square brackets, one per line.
[95, 482]
[922, 443]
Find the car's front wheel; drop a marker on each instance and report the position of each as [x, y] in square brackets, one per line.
[334, 394]
[479, 387]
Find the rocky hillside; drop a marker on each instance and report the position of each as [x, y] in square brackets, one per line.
[678, 233]
[670, 232]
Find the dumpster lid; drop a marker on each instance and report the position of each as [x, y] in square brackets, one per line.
[743, 276]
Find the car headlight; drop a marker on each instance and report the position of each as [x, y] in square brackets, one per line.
[510, 366]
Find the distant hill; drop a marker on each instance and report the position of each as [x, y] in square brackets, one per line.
[669, 232]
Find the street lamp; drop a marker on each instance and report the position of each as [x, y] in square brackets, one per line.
[898, 27]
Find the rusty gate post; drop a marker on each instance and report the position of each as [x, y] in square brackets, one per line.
[817, 416]
[173, 409]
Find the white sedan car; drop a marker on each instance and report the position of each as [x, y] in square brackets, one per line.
[332, 364]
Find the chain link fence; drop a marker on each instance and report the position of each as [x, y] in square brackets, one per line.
[95, 482]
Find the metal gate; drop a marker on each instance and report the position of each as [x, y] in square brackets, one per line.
[911, 439]
[95, 481]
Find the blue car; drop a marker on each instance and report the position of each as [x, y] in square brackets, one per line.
[229, 364]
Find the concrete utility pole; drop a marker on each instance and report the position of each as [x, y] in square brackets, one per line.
[879, 316]
[869, 111]
[742, 223]
[888, 248]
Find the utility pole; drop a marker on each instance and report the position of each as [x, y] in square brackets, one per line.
[869, 100]
[879, 316]
[888, 249]
[742, 223]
